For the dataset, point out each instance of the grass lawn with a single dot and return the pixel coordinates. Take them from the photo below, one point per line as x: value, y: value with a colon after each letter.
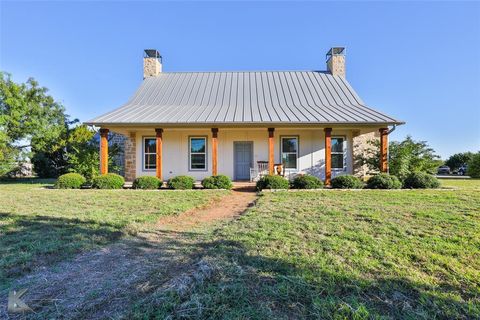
x: 409, y: 254
x: 40, y: 226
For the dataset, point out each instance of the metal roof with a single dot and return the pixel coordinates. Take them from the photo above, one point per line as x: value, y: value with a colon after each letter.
x: 264, y: 97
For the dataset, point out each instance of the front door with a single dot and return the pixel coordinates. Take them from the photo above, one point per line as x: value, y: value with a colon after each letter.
x: 243, y: 159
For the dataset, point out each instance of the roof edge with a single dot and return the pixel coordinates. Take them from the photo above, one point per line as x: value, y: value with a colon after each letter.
x: 240, y: 124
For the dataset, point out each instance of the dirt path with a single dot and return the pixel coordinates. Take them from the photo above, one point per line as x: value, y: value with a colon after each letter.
x: 103, y: 284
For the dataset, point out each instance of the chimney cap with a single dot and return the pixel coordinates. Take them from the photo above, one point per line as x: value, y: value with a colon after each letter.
x: 152, y: 53
x: 335, y: 51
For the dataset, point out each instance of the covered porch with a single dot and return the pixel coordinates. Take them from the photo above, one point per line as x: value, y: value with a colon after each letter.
x: 200, y: 152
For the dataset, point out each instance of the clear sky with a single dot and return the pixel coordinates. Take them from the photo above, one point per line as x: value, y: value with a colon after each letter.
x: 416, y: 61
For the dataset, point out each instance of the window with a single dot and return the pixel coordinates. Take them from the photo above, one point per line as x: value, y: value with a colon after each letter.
x: 149, y: 153
x: 338, y: 153
x: 198, y: 153
x: 289, y: 152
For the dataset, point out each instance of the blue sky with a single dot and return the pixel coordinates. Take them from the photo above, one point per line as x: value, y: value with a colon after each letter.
x: 416, y: 61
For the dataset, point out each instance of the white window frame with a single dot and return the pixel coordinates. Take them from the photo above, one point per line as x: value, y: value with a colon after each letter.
x: 144, y: 154
x: 190, y: 153
x: 296, y: 153
x: 343, y: 152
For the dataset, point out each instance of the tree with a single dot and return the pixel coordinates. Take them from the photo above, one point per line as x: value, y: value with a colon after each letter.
x: 27, y: 113
x: 458, y: 159
x: 473, y: 169
x: 404, y: 157
x: 83, y: 153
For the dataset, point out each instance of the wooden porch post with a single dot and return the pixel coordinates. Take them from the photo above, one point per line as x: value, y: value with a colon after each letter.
x: 103, y: 151
x: 328, y: 155
x: 383, y: 149
x: 271, y: 164
x: 159, y: 148
x: 214, y: 151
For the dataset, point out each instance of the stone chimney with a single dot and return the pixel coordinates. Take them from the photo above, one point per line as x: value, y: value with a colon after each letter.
x: 336, y: 61
x: 152, y: 63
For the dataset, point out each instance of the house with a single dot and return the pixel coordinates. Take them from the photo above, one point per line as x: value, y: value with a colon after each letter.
x: 244, y: 123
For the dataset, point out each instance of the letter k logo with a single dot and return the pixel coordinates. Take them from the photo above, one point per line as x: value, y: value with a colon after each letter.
x: 15, y: 305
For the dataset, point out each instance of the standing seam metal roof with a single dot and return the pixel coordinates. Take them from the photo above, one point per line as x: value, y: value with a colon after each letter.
x: 244, y: 97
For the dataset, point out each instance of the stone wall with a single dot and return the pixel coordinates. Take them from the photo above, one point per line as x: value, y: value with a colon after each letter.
x: 130, y: 157
x: 336, y: 65
x: 360, y: 145
x: 151, y: 67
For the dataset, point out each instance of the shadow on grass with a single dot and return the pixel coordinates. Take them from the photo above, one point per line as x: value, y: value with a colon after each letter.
x: 27, y: 241
x: 27, y: 180
x: 241, y: 284
x: 246, y: 286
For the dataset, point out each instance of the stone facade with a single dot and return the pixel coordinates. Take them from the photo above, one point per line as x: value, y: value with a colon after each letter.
x: 130, y: 157
x: 360, y: 146
x: 336, y: 65
x: 151, y: 67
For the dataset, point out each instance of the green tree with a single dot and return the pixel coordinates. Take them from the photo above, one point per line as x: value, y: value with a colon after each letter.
x: 404, y: 157
x: 27, y: 113
x: 83, y: 153
x: 473, y: 169
x: 458, y: 159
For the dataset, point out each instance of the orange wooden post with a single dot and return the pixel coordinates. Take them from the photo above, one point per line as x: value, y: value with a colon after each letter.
x: 328, y: 155
x: 103, y: 151
x: 159, y: 145
x: 383, y: 149
x: 214, y: 151
x: 270, y: 150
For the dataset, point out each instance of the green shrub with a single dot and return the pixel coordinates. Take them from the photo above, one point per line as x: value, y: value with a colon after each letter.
x: 70, y: 181
x: 217, y: 182
x: 108, y: 181
x: 306, y: 182
x: 147, y: 182
x: 421, y: 180
x: 181, y: 182
x: 272, y: 182
x: 347, y: 182
x: 384, y: 181
x: 473, y: 166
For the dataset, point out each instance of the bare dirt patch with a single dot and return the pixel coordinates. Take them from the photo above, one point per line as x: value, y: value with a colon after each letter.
x: 103, y: 284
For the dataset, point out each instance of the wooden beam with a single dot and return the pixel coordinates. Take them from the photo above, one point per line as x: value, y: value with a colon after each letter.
x: 271, y: 164
x: 328, y: 155
x: 103, y: 151
x: 159, y: 150
x: 383, y: 150
x: 214, y: 151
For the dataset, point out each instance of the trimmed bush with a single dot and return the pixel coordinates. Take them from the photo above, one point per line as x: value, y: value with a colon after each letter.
x: 306, y: 182
x: 217, y: 182
x: 383, y: 181
x: 147, y: 182
x: 347, y: 182
x: 108, y: 181
x: 181, y: 182
x: 272, y: 182
x: 421, y: 180
x: 70, y: 181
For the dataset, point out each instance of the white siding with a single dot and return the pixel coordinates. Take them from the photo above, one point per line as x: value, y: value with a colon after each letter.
x: 175, y: 150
